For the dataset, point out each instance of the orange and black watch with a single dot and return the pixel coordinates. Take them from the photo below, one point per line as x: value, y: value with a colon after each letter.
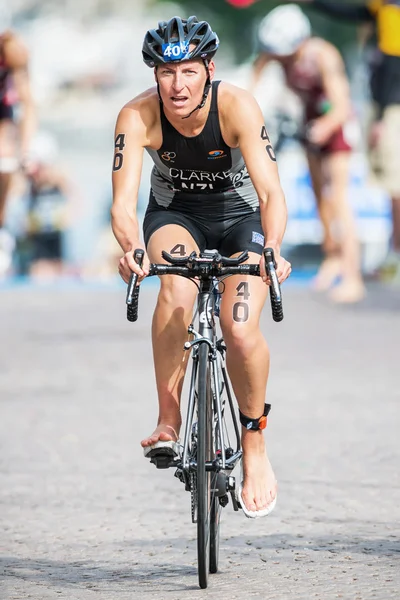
x: 255, y: 424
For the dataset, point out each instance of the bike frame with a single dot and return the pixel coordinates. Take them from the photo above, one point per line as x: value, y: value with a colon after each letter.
x: 207, y: 334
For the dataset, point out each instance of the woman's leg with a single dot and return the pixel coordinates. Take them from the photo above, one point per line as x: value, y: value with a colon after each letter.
x: 351, y: 288
x: 8, y: 166
x: 247, y: 359
x: 330, y: 267
x: 172, y: 316
x: 8, y: 162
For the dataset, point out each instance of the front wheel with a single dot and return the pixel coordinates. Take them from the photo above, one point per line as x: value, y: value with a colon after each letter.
x: 204, y: 453
x: 215, y: 519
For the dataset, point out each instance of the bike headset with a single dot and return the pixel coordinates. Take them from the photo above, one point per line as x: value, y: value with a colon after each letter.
x: 283, y: 30
x: 171, y: 41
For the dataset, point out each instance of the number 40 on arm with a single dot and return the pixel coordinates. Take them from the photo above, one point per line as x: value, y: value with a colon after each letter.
x: 118, y: 156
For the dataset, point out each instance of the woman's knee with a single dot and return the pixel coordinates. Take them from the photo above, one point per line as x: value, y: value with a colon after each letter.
x: 176, y: 292
x: 241, y: 336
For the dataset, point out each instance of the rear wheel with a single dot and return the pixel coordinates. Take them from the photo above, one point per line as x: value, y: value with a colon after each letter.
x: 204, y: 453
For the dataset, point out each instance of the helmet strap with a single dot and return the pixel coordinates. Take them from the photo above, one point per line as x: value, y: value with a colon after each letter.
x: 158, y: 92
x: 158, y: 86
x: 206, y: 91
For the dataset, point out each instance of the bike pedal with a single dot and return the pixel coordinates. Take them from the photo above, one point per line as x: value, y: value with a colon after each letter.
x: 162, y: 462
x: 162, y: 457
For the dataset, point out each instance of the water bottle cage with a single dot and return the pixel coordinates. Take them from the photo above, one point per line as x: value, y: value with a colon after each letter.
x: 255, y: 424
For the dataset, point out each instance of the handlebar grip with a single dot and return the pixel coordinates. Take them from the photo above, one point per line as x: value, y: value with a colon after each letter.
x: 132, y: 294
x: 275, y: 289
x: 226, y: 262
x: 182, y: 260
x: 177, y: 260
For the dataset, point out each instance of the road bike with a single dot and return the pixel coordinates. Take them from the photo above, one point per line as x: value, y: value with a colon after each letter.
x: 209, y: 453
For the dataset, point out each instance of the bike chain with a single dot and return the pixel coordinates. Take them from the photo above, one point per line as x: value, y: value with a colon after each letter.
x: 193, y: 496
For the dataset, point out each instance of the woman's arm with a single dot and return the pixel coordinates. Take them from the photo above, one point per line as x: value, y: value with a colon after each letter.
x: 337, y: 91
x: 246, y: 122
x: 126, y: 174
x: 257, y: 68
x: 129, y: 143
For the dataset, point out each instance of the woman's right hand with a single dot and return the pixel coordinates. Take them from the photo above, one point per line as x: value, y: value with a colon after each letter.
x: 128, y: 265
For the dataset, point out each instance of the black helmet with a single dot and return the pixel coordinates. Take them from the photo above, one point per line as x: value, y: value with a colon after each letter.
x: 170, y: 42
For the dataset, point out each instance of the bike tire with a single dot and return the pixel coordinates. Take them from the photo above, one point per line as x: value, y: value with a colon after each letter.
x: 216, y: 507
x: 204, y: 453
x: 215, y: 522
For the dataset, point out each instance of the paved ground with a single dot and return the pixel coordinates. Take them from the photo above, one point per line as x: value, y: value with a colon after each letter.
x: 84, y: 516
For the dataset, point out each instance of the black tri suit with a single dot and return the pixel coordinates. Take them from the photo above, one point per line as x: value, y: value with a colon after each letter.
x: 203, y: 185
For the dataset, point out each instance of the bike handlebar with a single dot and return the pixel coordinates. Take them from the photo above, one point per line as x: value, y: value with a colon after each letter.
x: 206, y: 267
x: 132, y: 294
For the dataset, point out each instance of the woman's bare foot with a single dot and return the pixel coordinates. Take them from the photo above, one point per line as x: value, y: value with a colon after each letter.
x: 348, y: 292
x: 259, y: 483
x: 328, y: 271
x: 162, y: 433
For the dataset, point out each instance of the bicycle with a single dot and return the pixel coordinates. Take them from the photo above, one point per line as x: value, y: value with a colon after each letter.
x: 207, y: 456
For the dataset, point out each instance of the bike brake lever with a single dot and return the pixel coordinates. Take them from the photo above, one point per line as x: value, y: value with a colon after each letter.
x: 269, y: 256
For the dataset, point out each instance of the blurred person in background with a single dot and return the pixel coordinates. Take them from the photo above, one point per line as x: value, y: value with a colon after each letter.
x: 15, y: 137
x: 314, y: 71
x: 384, y: 136
x: 51, y: 208
x: 214, y: 185
x: 107, y: 252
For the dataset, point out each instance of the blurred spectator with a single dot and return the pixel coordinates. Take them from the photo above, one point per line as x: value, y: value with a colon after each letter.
x: 384, y: 138
x: 107, y: 253
x: 314, y: 70
x: 14, y: 142
x: 51, y: 208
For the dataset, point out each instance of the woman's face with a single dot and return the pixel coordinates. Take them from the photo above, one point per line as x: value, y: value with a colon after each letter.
x: 182, y: 84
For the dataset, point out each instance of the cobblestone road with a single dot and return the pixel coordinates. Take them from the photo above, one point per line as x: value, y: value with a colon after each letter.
x: 84, y: 516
